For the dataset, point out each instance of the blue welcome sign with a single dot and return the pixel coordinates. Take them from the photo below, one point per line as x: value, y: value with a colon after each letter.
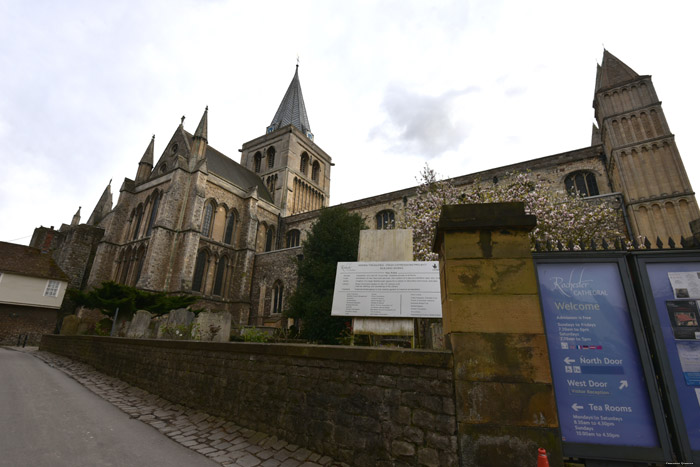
x: 601, y: 392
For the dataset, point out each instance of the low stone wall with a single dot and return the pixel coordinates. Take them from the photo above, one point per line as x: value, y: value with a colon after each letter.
x: 363, y: 406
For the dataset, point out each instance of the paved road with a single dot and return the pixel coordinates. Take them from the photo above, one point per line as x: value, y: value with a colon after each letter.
x: 48, y: 419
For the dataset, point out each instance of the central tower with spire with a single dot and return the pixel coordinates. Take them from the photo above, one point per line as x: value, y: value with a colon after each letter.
x: 295, y: 170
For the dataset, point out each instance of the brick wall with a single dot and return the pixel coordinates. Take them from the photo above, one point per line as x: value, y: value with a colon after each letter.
x: 363, y: 406
x: 15, y: 320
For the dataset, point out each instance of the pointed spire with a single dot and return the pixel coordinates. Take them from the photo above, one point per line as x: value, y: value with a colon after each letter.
x: 76, y: 217
x: 202, y: 127
x: 103, y: 207
x: 148, y: 155
x: 146, y: 164
x: 292, y: 109
x: 613, y: 71
x: 596, y: 137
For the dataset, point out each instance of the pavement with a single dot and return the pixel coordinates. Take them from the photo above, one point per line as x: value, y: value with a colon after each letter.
x: 222, y: 441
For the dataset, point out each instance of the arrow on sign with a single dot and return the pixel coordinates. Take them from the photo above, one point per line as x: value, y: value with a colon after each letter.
x: 623, y: 384
x: 569, y: 361
x: 576, y: 407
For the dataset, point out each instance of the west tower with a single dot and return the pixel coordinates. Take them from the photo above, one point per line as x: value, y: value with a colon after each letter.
x: 296, y: 171
x: 643, y: 160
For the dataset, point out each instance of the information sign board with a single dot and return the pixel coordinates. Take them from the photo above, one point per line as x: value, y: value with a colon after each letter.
x: 400, y: 289
x: 675, y: 288
x: 601, y: 392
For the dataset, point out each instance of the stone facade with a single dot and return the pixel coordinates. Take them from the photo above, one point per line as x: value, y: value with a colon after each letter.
x: 195, y: 221
x: 275, y: 272
x: 73, y: 248
x: 361, y: 406
x: 33, y: 321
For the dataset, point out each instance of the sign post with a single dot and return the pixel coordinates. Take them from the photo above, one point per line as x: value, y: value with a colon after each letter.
x: 600, y: 367
x: 671, y: 292
x: 399, y: 289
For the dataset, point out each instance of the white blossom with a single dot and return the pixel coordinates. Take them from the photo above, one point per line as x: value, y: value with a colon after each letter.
x: 560, y: 216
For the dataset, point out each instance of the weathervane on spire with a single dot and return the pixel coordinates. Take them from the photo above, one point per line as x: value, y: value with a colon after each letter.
x: 297, y: 60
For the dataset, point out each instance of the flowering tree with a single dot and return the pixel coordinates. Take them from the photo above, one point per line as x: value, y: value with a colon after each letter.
x: 560, y: 216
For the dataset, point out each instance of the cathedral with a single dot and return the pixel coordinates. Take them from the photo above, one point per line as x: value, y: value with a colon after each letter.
x: 195, y: 221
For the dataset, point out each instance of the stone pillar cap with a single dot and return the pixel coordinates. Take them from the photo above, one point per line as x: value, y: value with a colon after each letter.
x: 482, y: 216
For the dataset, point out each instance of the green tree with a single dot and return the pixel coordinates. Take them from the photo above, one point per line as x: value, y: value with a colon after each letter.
x: 110, y: 295
x: 334, y: 237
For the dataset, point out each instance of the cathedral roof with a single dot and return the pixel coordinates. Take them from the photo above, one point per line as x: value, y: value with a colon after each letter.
x: 292, y: 109
x: 232, y: 171
x: 235, y: 173
x: 613, y: 72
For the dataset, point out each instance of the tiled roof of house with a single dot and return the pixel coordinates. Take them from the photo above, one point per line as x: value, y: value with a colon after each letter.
x: 28, y: 261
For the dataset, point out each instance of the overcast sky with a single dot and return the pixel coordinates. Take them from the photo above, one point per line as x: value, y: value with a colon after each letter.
x: 462, y: 85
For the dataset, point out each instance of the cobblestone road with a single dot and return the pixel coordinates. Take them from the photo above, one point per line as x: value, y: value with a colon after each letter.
x: 221, y: 440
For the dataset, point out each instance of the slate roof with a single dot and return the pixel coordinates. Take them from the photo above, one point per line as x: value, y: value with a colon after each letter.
x: 613, y: 72
x: 232, y: 171
x: 28, y: 261
x: 292, y: 109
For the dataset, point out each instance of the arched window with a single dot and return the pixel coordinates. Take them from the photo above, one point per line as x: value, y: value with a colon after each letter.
x: 219, y: 280
x: 385, y: 220
x: 582, y: 183
x: 303, y: 167
x: 140, y: 257
x: 293, y: 238
x: 257, y: 162
x: 269, y: 239
x: 154, y: 213
x: 139, y: 217
x: 271, y: 183
x: 230, y: 228
x: 207, y: 218
x: 277, y: 292
x: 270, y: 157
x: 315, y: 171
x: 126, y: 259
x: 200, y: 267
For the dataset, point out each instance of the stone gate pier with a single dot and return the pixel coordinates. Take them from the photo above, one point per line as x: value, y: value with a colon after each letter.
x: 504, y: 397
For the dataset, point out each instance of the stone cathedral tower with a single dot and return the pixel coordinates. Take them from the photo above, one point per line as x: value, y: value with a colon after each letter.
x: 295, y: 170
x: 643, y: 160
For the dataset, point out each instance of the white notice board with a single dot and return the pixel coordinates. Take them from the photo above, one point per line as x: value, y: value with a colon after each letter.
x: 399, y: 289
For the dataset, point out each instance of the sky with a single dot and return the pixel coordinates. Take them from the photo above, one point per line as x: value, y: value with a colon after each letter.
x: 389, y: 86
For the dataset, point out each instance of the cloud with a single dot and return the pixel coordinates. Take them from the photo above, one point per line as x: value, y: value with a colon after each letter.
x: 515, y: 91
x: 421, y: 124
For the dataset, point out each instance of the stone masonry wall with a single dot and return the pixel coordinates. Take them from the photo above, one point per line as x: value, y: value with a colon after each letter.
x: 16, y: 320
x: 270, y: 267
x: 551, y: 170
x: 363, y: 406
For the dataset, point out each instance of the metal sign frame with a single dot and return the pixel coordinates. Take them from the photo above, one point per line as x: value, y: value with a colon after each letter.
x: 639, y: 262
x: 662, y: 453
